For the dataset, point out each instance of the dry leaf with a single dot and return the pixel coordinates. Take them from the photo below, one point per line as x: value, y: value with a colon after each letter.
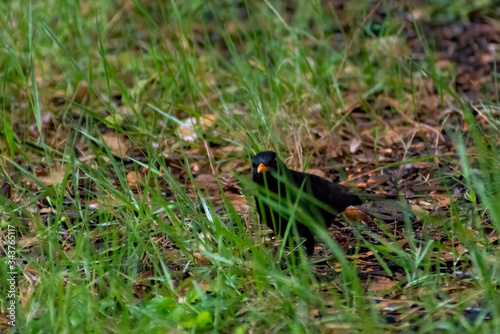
x: 418, y: 210
x: 391, y: 137
x: 226, y: 150
x: 54, y: 177
x: 132, y: 178
x: 206, y: 181
x: 202, y: 259
x: 354, y: 214
x: 382, y: 284
x: 82, y: 92
x: 354, y: 145
x: 118, y: 144
x: 453, y: 253
x: 187, y: 129
x: 27, y: 242
x: 239, y: 202
x: 443, y: 200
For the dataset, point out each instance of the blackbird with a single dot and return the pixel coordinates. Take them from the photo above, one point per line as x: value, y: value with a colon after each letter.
x: 314, y: 195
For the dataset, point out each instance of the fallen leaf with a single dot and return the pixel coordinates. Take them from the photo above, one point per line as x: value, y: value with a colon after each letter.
x: 443, y: 200
x: 202, y: 259
x: 394, y: 305
x: 55, y: 176
x: 118, y: 144
x: 418, y: 210
x: 382, y: 284
x: 239, y: 202
x: 354, y: 145
x: 391, y: 137
x: 354, y: 214
x: 132, y: 178
x: 206, y: 181
x: 187, y: 129
x: 82, y: 92
x: 226, y: 150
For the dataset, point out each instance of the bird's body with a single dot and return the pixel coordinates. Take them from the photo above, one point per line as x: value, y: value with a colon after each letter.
x: 316, y: 197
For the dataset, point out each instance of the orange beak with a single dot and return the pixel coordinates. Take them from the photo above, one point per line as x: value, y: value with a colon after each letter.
x: 261, y: 168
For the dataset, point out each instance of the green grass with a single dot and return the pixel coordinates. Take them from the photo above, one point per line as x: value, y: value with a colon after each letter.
x: 177, y: 253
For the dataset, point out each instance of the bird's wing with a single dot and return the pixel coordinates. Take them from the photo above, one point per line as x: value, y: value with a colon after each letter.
x: 335, y: 195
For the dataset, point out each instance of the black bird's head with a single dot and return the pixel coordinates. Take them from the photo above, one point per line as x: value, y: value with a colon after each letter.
x: 264, y: 163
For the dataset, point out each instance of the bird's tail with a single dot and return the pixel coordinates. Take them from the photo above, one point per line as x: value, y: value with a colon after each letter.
x: 388, y: 210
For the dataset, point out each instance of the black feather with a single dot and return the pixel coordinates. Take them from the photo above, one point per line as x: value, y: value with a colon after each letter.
x: 323, y: 199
